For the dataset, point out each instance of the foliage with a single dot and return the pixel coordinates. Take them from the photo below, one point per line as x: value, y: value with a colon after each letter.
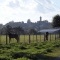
x: 56, y: 21
x: 4, y: 58
x: 8, y: 29
x: 23, y: 58
x: 34, y: 51
x: 32, y: 31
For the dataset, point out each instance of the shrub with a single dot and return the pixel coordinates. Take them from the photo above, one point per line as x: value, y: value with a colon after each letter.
x: 22, y: 47
x: 49, y: 50
x: 4, y: 58
x: 57, y: 45
x: 2, y: 46
x: 8, y: 47
x: 5, y: 46
x: 23, y: 58
x: 18, y: 54
x: 34, y: 44
x: 37, y: 47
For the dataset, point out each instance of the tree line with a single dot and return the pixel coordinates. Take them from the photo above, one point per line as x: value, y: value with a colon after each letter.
x: 20, y: 30
x: 56, y: 21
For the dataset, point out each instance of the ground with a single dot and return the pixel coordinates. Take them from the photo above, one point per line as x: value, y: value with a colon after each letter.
x: 40, y: 50
x: 35, y: 51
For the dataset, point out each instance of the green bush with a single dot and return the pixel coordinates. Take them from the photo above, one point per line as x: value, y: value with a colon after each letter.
x: 23, y: 58
x: 37, y: 47
x: 2, y: 46
x: 22, y: 47
x: 57, y: 45
x: 4, y: 58
x: 34, y: 44
x: 18, y: 54
x: 49, y: 50
x: 5, y: 46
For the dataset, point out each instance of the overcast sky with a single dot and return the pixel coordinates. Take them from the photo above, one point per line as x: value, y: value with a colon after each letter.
x: 21, y: 10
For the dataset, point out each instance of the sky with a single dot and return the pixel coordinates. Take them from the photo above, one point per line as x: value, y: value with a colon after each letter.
x: 22, y: 10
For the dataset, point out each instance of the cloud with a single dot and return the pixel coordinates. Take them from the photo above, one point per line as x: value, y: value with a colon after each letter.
x: 45, y: 6
x: 1, y: 1
x: 14, y: 4
x: 21, y: 10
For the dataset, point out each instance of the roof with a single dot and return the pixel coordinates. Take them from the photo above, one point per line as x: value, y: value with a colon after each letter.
x: 50, y: 30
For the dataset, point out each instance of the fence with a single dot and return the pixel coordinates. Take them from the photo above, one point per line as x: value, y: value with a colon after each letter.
x: 29, y: 38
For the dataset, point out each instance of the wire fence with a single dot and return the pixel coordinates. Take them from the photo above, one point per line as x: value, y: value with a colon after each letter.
x: 29, y: 38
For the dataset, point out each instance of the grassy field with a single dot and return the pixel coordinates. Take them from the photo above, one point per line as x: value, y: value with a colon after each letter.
x: 25, y: 38
x: 36, y: 50
x: 33, y: 51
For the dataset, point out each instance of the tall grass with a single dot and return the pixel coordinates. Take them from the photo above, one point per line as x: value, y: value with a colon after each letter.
x: 25, y: 38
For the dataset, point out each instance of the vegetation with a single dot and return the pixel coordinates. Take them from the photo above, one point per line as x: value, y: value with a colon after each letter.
x: 32, y: 51
x: 56, y: 21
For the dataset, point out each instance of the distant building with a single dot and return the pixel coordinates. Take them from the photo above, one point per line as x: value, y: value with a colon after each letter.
x: 39, y: 25
x: 28, y: 21
x: 40, y: 18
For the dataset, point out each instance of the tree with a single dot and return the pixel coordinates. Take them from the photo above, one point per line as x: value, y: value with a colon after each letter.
x: 8, y: 29
x: 19, y: 30
x: 32, y: 31
x: 56, y: 21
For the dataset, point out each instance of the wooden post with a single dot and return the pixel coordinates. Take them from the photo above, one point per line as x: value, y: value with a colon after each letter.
x: 24, y: 38
x: 6, y: 38
x: 50, y: 37
x: 36, y: 37
x: 33, y: 37
x: 40, y: 37
x: 0, y: 39
x: 29, y: 39
x: 19, y: 38
x: 59, y: 35
x: 55, y: 36
x: 44, y: 37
